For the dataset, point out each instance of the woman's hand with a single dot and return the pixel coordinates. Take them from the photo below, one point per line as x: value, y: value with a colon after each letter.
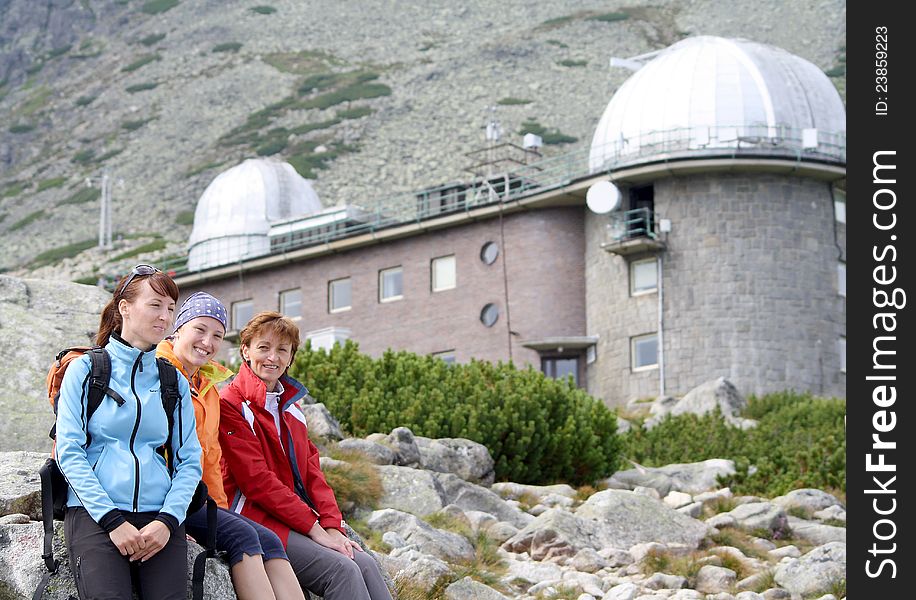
x: 127, y: 539
x: 333, y: 539
x: 156, y: 535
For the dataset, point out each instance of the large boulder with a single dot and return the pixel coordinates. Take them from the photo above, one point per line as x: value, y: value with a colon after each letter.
x: 468, y: 589
x: 321, y: 422
x: 816, y: 533
x: 761, y: 515
x: 446, y: 545
x: 20, y: 487
x: 410, y: 490
x: 469, y: 496
x: 691, y: 478
x: 404, y: 445
x: 807, y: 499
x: 632, y: 518
x: 466, y: 459
x: 38, y: 318
x: 558, y: 532
x: 379, y: 454
x: 718, y: 393
x: 815, y: 572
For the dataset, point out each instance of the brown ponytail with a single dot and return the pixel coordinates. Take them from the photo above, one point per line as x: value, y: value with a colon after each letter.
x: 111, y: 322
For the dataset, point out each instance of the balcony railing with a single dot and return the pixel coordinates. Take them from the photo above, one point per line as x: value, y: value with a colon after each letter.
x: 633, y: 231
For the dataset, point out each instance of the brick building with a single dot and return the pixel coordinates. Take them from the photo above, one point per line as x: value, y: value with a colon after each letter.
x: 721, y: 254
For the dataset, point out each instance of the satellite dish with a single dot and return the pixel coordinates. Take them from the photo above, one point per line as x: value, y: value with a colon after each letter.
x: 602, y: 197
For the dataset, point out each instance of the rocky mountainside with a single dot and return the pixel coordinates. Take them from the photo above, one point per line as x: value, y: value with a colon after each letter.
x: 368, y: 98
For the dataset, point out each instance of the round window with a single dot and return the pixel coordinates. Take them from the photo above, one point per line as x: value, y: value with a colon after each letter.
x: 489, y: 315
x: 489, y: 252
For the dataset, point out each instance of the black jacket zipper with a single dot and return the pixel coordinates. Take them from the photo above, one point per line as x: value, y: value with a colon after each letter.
x: 133, y: 435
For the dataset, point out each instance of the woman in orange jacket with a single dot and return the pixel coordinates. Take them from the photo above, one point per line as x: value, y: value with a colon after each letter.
x: 258, y: 563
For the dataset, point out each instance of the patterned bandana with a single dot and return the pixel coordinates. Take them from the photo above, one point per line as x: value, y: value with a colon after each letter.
x: 202, y: 304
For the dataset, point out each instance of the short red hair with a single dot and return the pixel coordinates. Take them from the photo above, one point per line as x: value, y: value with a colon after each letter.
x: 270, y: 321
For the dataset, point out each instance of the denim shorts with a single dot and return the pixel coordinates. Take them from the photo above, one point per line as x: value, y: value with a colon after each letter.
x: 236, y: 535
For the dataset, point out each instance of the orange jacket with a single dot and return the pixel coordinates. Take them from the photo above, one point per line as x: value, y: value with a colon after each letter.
x: 206, y: 413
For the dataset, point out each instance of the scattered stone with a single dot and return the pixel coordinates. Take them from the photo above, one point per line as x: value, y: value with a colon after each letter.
x: 321, y: 422
x: 376, y: 453
x: 712, y: 580
x: 835, y: 513
x: 501, y: 531
x: 624, y: 591
x: 20, y: 487
x: 761, y: 515
x: 466, y: 459
x: 807, y: 498
x: 410, y: 490
x: 722, y: 520
x: 469, y: 589
x: 694, y: 510
x: 442, y: 544
x: 15, y: 519
x: 776, y: 594
x: 659, y: 581
x: 677, y: 499
x: 817, y: 533
x: 779, y: 553
x: 691, y: 478
x: 402, y: 443
x: 815, y: 572
x: 747, y: 595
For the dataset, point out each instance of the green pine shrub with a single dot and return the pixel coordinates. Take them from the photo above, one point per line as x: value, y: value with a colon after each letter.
x: 538, y: 430
x: 800, y: 442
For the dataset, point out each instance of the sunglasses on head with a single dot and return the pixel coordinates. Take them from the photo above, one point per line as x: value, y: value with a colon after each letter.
x: 141, y: 270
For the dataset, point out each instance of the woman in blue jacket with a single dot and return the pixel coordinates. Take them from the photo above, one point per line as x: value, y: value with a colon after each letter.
x: 124, y: 508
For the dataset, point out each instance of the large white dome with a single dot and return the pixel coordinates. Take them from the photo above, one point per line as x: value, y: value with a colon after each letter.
x: 713, y: 96
x: 233, y: 214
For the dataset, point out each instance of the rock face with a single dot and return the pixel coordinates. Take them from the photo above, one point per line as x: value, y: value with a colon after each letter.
x: 321, y: 422
x: 689, y: 477
x: 466, y: 459
x: 20, y: 484
x: 37, y: 319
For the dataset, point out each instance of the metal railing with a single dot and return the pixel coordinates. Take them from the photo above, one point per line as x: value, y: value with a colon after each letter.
x: 636, y: 223
x: 559, y: 171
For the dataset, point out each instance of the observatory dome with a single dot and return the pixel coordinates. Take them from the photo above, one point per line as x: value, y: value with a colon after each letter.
x: 709, y: 96
x: 233, y: 215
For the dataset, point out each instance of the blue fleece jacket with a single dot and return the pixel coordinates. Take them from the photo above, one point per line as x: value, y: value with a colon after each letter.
x: 119, y: 470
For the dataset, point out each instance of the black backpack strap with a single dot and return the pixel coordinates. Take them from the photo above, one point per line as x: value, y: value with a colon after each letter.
x: 168, y: 389
x: 47, y: 518
x: 200, y: 562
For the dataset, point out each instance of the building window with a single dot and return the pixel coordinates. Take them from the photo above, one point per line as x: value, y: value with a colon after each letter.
x: 842, y: 348
x: 489, y: 315
x: 339, y: 295
x: 446, y: 356
x: 841, y: 279
x: 390, y: 284
x: 643, y: 276
x: 561, y: 367
x: 839, y: 205
x: 644, y: 352
x: 242, y: 311
x: 291, y: 303
x: 443, y: 273
x: 489, y: 253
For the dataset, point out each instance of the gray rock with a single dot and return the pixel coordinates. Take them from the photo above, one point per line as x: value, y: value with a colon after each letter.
x: 501, y: 531
x: 776, y: 594
x: 470, y: 496
x: 694, y: 510
x: 686, y: 595
x: 712, y: 579
x: 707, y: 396
x: 377, y: 453
x: 691, y: 478
x: 446, y: 545
x: 835, y: 513
x: 815, y: 572
x: 15, y: 519
x: 779, y: 553
x: 722, y: 520
x: 664, y: 581
x: 532, y: 572
x: 817, y: 533
x: 466, y: 459
x: 479, y: 520
x: 624, y: 591
x: 677, y: 499
x: 587, y: 560
x: 752, y: 581
x: 615, y: 557
x: 468, y: 589
x: 708, y: 497
x: 761, y: 515
x: 514, y: 491
x: 410, y: 490
x: 394, y: 540
x: 321, y: 422
x: 55, y: 315
x: 557, y: 532
x: 747, y: 595
x: 809, y: 499
x: 20, y: 486
x: 402, y: 443
x: 629, y: 519
x: 425, y: 572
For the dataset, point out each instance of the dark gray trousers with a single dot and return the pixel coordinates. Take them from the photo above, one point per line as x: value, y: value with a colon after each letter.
x: 101, y: 572
x: 333, y: 575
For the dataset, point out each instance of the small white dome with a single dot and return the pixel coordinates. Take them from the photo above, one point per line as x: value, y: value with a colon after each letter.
x: 233, y: 214
x: 705, y: 94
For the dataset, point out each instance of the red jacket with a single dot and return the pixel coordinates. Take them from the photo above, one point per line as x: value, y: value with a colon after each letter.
x: 260, y: 477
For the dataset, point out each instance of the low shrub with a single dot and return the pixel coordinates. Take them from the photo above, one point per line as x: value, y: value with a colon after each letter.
x: 151, y: 39
x: 86, y: 194
x: 154, y: 246
x: 156, y: 7
x: 572, y: 63
x: 510, y: 101
x: 21, y: 128
x: 538, y: 430
x: 54, y: 182
x: 27, y: 220
x: 58, y: 254
x: 610, y: 17
x: 85, y: 100
x: 263, y: 9
x: 548, y: 137
x: 227, y: 47
x: 143, y: 60
x: 141, y: 87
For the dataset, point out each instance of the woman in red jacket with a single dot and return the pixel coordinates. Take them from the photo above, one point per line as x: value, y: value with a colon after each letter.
x: 271, y: 472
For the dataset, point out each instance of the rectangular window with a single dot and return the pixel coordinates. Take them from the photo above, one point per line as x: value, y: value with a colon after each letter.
x: 447, y: 356
x: 643, y: 276
x: 443, y: 273
x: 644, y: 351
x: 242, y: 311
x: 390, y: 284
x: 561, y: 367
x: 841, y: 279
x: 339, y: 295
x: 842, y: 348
x: 839, y: 205
x: 291, y: 303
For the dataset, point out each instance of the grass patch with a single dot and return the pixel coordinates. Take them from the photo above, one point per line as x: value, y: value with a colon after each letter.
x: 838, y: 588
x: 837, y: 71
x: 55, y: 255
x: 357, y: 484
x: 27, y: 220
x: 487, y: 566
x: 610, y: 17
x: 141, y: 87
x: 572, y: 63
x: 303, y: 129
x: 185, y: 217
x: 109, y: 154
x: 354, y: 113
x: 355, y: 91
x: 556, y: 22
x: 13, y: 189
x: 151, y: 39
x: 157, y: 7
x: 305, y: 62
x: 87, y: 280
x: 263, y: 9
x: 549, y: 137
x: 447, y: 522
x: 557, y: 43
x: 35, y: 102
x: 408, y: 589
x: 85, y: 100
x: 766, y: 582
x: 272, y: 146
x: 154, y: 246
x: 84, y: 157
x: 22, y: 128
x: 306, y: 163
x: 37, y: 67
x: 204, y: 167
x: 686, y: 565
x: 560, y: 592
x: 729, y: 536
x: 835, y: 522
x: 510, y: 101
x: 372, y: 537
x: 55, y: 52
x: 143, y: 60
x: 54, y: 182
x: 801, y: 512
x: 720, y: 505
x: 87, y: 194
x: 134, y: 125
x: 227, y: 47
